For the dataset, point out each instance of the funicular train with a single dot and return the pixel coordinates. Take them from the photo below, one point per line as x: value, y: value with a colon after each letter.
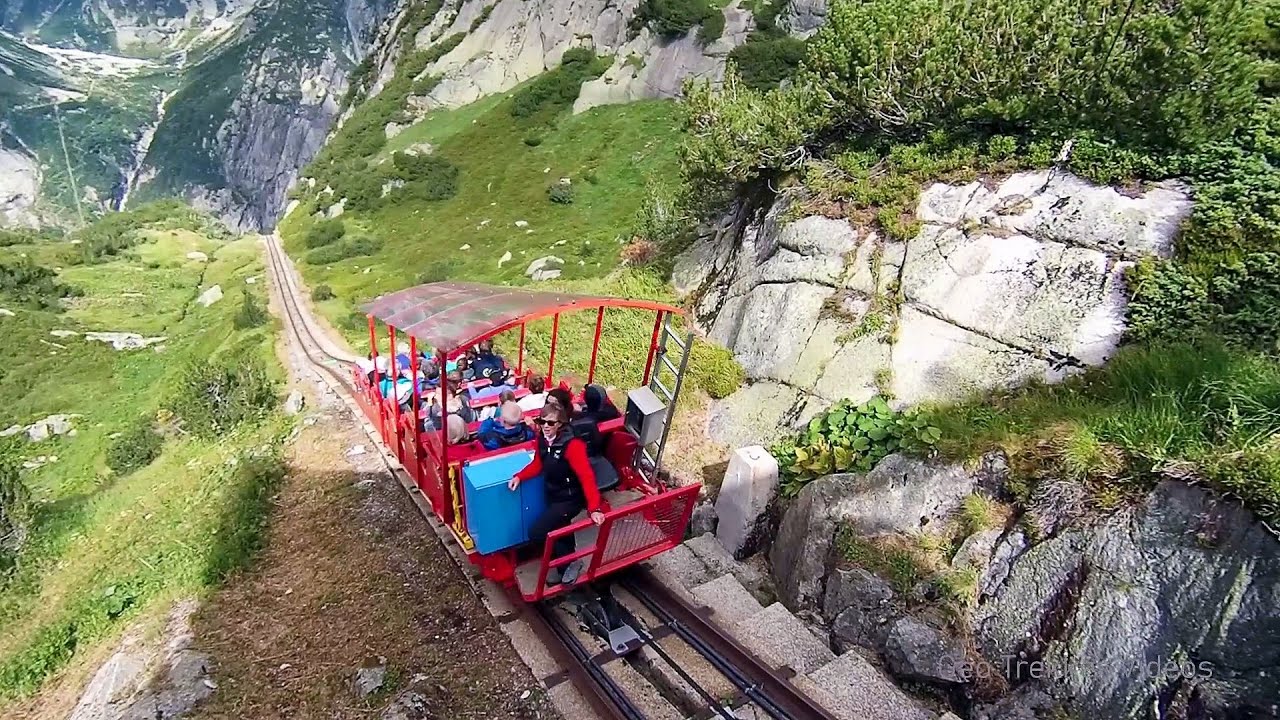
x: 466, y: 484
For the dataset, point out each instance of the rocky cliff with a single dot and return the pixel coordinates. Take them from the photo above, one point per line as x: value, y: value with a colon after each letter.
x: 507, y: 42
x: 1007, y: 282
x: 1163, y: 610
x: 243, y: 96
x: 252, y: 112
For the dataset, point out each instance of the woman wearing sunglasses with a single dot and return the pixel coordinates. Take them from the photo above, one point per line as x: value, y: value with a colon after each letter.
x: 570, y: 485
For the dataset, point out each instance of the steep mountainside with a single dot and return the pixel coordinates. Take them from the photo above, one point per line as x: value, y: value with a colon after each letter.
x: 238, y: 98
x: 253, y: 109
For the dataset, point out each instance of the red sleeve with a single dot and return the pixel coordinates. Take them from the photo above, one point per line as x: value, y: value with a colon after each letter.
x: 576, y: 454
x: 533, y: 468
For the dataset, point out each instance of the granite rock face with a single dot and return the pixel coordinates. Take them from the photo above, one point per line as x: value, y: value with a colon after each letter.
x: 1006, y: 283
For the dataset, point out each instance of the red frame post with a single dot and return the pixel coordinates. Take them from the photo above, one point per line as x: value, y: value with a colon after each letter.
x: 653, y: 348
x: 417, y: 408
x: 555, y: 337
x: 395, y: 394
x: 595, y: 345
x: 520, y: 355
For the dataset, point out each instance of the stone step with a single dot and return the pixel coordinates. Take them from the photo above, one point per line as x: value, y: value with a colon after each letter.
x: 679, y: 567
x: 851, y: 688
x: 728, y: 598
x: 776, y: 634
x: 718, y: 561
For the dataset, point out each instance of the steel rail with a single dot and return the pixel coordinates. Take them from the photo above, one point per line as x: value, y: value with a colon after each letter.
x: 605, y: 696
x: 767, y: 688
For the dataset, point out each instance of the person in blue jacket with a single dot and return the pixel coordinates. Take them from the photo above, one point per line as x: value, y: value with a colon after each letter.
x: 489, y: 364
x: 505, y: 429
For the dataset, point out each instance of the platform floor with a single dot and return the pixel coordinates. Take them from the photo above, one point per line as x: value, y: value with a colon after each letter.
x: 527, y: 571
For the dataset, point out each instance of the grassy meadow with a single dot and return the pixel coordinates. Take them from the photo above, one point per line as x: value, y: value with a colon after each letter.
x: 183, y: 506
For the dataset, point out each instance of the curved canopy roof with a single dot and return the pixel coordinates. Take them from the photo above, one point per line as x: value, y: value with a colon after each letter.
x: 452, y: 315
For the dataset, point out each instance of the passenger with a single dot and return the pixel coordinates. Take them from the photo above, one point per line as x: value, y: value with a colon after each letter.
x: 459, y: 403
x: 598, y: 405
x: 370, y: 363
x: 401, y: 390
x: 457, y: 429
x: 505, y: 429
x: 570, y: 486
x: 464, y: 369
x: 537, y: 396
x: 561, y: 397
x: 507, y: 395
x: 489, y: 364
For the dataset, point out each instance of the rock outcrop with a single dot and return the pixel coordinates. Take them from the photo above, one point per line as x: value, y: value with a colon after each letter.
x: 1005, y: 283
x: 281, y: 70
x: 510, y: 41
x: 1172, y: 604
x: 1169, y: 605
x: 19, y: 188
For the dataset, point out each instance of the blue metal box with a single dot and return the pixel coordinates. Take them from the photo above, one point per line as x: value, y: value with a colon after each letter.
x: 496, y: 517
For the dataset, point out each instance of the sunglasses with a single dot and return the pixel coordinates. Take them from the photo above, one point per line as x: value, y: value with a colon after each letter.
x: 544, y: 421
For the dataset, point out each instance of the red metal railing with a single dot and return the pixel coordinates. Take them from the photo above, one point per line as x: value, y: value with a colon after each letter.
x: 627, y: 536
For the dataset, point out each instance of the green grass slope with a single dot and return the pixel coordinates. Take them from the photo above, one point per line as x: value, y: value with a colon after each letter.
x: 151, y: 499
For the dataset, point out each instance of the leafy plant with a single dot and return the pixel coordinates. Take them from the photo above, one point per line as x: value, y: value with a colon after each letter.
x: 251, y: 314
x: 33, y: 285
x: 560, y: 194
x: 675, y: 18
x: 211, y: 398
x: 324, y: 232
x: 322, y: 293
x: 1240, y: 300
x: 134, y: 448
x: 558, y: 88
x: 15, y: 514
x: 351, y: 247
x: 851, y: 438
x: 763, y: 60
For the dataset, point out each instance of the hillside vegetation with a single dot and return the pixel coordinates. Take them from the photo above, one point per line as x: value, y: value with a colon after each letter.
x: 161, y: 488
x: 451, y: 195
x: 1157, y: 91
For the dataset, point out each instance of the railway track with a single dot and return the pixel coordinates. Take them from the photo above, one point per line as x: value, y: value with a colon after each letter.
x: 633, y: 648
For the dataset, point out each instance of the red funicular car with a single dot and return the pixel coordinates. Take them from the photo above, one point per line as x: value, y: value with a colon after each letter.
x: 466, y: 484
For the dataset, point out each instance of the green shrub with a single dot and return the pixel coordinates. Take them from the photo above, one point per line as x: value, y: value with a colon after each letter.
x: 560, y: 194
x: 357, y: 246
x: 848, y: 438
x: 1240, y: 300
x: 479, y: 19
x: 1051, y: 74
x: 135, y: 447
x: 714, y: 369
x: 533, y: 140
x: 1168, y: 77
x: 324, y: 232
x: 242, y: 528
x: 251, y: 314
x: 426, y: 177
x: 425, y: 84
x: 33, y: 285
x: 737, y: 134
x: 674, y: 18
x: 558, y: 88
x: 364, y: 133
x: 322, y: 293
x: 764, y: 60
x: 712, y: 27
x: 212, y: 398
x: 437, y: 271
x: 15, y: 514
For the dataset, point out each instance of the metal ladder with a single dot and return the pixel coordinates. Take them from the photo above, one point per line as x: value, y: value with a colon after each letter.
x: 652, y: 461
